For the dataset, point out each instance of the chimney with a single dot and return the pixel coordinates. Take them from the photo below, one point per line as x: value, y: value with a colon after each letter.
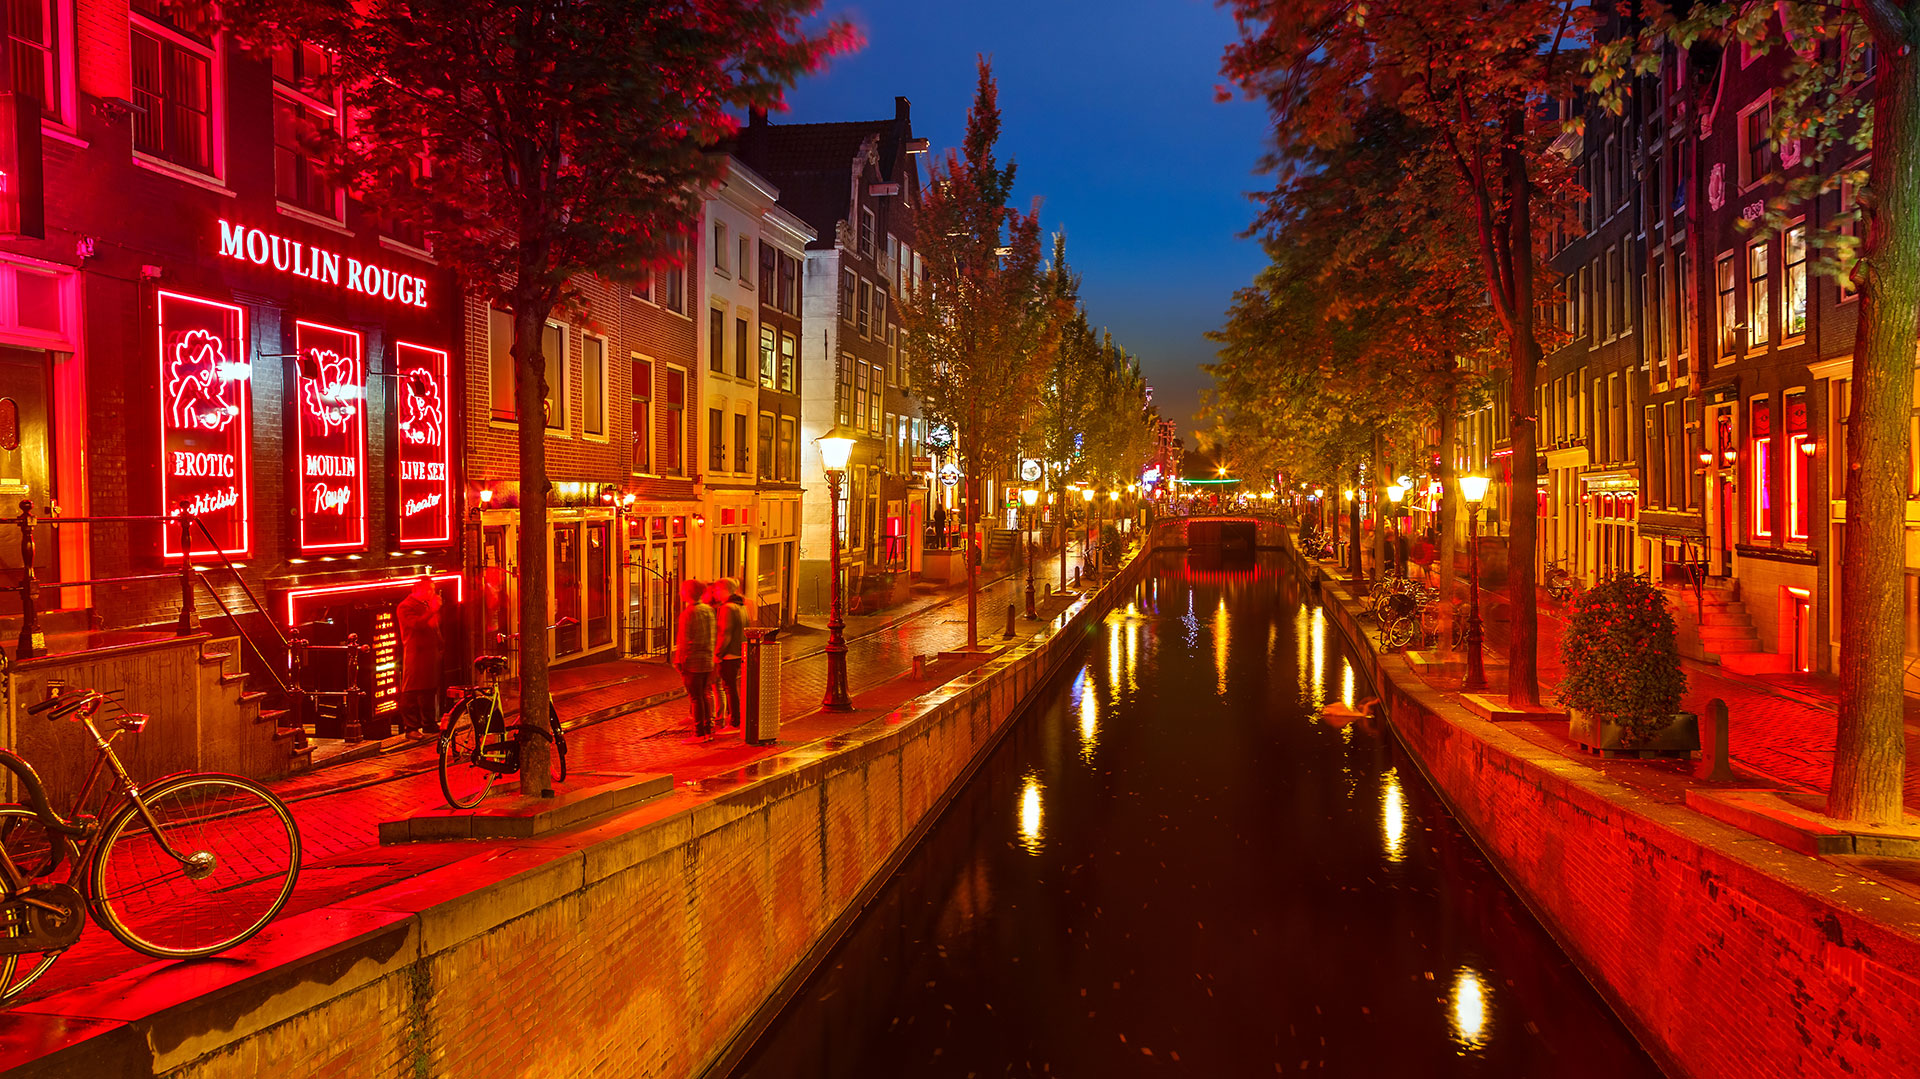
x: 756, y: 116
x: 903, y: 111
x: 752, y: 143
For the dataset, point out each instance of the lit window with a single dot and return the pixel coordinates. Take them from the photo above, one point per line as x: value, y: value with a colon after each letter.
x: 1794, y: 284
x: 305, y: 111
x: 1728, y: 311
x: 676, y: 420
x: 789, y: 362
x: 1760, y: 482
x: 1759, y: 299
x: 1799, y: 470
x: 769, y: 357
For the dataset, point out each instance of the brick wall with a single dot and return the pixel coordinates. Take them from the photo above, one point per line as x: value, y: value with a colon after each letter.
x: 1727, y: 955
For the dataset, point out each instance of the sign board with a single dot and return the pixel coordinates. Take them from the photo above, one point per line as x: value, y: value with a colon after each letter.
x: 271, y: 251
x: 921, y: 464
x: 939, y: 438
x: 206, y: 420
x: 1030, y: 470
x: 950, y: 475
x: 22, y: 202
x: 423, y: 450
x: 330, y: 449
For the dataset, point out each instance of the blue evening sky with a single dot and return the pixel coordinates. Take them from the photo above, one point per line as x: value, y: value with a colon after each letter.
x: 1108, y: 107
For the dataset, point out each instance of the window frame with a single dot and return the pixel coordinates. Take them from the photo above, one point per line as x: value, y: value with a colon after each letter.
x: 605, y: 383
x: 1759, y: 292
x: 716, y: 339
x: 304, y: 100
x: 1753, y: 169
x: 640, y: 400
x: 169, y: 37
x: 675, y: 419
x: 58, y: 83
x: 1788, y: 275
x: 720, y: 252
x: 563, y: 388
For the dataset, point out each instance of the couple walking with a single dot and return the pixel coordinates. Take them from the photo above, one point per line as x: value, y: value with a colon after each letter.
x: 711, y: 634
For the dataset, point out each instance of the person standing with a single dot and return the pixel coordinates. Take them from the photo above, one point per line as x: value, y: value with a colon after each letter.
x: 693, y: 654
x: 730, y: 631
x: 939, y: 526
x: 418, y: 619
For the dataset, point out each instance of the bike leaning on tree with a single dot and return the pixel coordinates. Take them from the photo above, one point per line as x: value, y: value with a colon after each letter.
x: 188, y: 865
x: 477, y: 745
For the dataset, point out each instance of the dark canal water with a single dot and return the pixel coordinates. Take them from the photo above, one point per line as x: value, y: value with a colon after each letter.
x: 1176, y: 864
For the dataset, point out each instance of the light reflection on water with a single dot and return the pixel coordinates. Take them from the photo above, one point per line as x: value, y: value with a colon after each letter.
x: 1470, y: 1008
x: 1220, y: 644
x: 1346, y: 683
x: 1031, y: 839
x: 1393, y: 815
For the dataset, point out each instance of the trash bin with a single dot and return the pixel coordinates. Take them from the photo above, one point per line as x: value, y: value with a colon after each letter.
x: 760, y: 688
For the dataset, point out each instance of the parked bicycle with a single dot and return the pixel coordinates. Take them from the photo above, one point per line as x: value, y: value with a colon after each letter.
x: 870, y: 592
x: 188, y: 865
x: 1560, y: 583
x: 477, y: 745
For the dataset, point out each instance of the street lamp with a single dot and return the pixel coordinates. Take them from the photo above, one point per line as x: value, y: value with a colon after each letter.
x: 1086, y: 548
x: 1030, y: 496
x: 1396, y: 493
x: 1474, y: 489
x: 835, y: 447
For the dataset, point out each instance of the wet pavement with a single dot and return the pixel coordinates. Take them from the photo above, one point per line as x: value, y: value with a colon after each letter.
x: 1182, y: 858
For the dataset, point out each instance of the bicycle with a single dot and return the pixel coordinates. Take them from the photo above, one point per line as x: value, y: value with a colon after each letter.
x: 189, y: 865
x: 476, y: 745
x: 1560, y: 583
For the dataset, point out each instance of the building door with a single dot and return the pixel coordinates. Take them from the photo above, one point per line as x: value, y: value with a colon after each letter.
x: 25, y: 423
x: 564, y: 607
x: 497, y: 594
x: 1798, y: 625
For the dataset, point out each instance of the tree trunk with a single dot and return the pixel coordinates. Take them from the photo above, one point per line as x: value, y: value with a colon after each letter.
x: 1523, y: 680
x: 1869, y: 761
x: 1446, y: 513
x: 1379, y: 514
x: 530, y: 396
x: 973, y: 555
x: 1354, y: 568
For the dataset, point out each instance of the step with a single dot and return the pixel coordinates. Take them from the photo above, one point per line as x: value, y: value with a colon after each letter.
x: 1725, y: 633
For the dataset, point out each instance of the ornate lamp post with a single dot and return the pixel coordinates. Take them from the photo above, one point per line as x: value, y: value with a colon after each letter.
x: 835, y: 447
x: 1086, y: 547
x: 1030, y: 496
x: 1395, y: 494
x: 1474, y: 490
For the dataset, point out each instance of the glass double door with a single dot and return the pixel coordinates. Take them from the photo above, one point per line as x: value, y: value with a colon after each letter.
x: 581, y: 598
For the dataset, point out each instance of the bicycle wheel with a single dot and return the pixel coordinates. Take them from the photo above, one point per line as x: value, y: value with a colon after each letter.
x: 461, y: 780
x: 559, y: 744
x: 216, y: 863
x: 34, y: 852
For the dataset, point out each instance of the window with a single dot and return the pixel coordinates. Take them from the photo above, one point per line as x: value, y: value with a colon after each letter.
x: 789, y: 362
x: 593, y: 384
x: 1799, y: 469
x: 33, y: 30
x: 862, y: 391
x: 766, y: 445
x: 1617, y: 293
x: 879, y: 309
x: 1728, y: 313
x: 789, y: 284
x: 768, y: 268
x: 501, y: 374
x: 1759, y: 302
x: 1653, y: 303
x: 873, y: 398
x: 769, y: 357
x: 172, y: 85
x: 902, y: 270
x: 861, y: 320
x: 1756, y: 150
x: 1847, y: 223
x: 716, y: 340
x: 641, y: 392
x: 893, y: 355
x: 676, y: 421
x: 1761, y: 465
x: 1609, y: 179
x: 742, y: 349
x: 788, y: 450
x: 303, y: 112
x: 716, y: 440
x: 1585, y: 304
x: 742, y: 449
x: 866, y: 232
x: 553, y: 350
x: 720, y: 248
x: 843, y: 400
x: 746, y: 261
x: 1793, y: 284
x: 1586, y: 204
x: 1683, y: 323
x: 849, y: 286
x: 670, y: 285
x: 1599, y: 315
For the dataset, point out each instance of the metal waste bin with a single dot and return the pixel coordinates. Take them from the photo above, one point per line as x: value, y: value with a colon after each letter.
x: 760, y: 688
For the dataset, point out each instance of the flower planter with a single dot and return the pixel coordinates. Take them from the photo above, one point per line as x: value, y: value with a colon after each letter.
x: 1680, y: 737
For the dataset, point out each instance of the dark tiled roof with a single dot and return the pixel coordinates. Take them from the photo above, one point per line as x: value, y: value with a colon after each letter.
x: 812, y: 164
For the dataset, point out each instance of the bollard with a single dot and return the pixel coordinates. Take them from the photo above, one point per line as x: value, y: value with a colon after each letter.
x: 919, y: 668
x: 353, y: 729
x: 1715, y: 764
x: 1076, y: 576
x: 760, y: 688
x: 1009, y: 619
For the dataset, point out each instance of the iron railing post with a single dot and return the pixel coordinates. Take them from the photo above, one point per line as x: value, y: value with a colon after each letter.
x: 353, y: 728
x: 296, y: 692
x: 32, y: 641
x: 189, y: 619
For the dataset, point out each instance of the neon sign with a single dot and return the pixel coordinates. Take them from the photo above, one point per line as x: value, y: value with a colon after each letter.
x: 424, y: 453
x: 317, y: 264
x: 330, y: 450
x: 205, y: 420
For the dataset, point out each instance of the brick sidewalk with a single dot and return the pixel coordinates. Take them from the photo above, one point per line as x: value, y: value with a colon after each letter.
x: 339, y: 808
x: 1779, y: 726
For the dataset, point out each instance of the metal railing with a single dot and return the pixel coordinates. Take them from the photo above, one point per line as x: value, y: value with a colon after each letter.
x: 32, y: 639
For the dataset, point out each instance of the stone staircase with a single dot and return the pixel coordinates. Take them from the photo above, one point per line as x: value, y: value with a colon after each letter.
x: 1718, y: 626
x: 269, y: 752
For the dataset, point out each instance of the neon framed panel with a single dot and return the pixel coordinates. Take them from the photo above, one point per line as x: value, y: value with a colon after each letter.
x: 297, y: 597
x: 330, y: 438
x: 206, y: 421
x: 423, y: 447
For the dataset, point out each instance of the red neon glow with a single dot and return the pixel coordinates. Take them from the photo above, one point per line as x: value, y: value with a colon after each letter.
x: 205, y: 420
x: 424, y: 456
x: 298, y: 595
x: 331, y: 446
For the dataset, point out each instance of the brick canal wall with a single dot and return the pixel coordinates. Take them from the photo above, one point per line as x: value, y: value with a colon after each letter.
x: 634, y: 949
x: 1728, y: 955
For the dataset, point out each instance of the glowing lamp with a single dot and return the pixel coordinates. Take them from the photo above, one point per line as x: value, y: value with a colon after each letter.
x: 1113, y: 495
x: 1473, y: 488
x: 1706, y: 458
x: 1404, y: 482
x: 1727, y: 456
x: 1807, y: 447
x: 1347, y: 494
x: 486, y: 496
x: 1396, y: 492
x: 1222, y: 470
x: 628, y: 500
x: 1030, y: 496
x: 835, y: 447
x: 1319, y: 492
x: 1086, y: 493
x: 699, y: 520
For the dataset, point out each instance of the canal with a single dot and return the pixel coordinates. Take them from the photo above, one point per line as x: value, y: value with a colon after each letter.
x: 1178, y: 861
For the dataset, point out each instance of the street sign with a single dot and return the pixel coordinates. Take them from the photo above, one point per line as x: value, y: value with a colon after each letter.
x: 939, y: 438
x: 1030, y: 470
x: 921, y: 464
x: 950, y: 475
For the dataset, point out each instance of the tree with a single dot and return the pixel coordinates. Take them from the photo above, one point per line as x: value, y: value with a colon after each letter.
x: 1471, y: 78
x: 978, y: 322
x: 537, y: 141
x: 1830, y: 103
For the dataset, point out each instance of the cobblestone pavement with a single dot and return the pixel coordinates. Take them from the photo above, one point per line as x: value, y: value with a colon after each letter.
x: 1781, y: 726
x: 340, y: 808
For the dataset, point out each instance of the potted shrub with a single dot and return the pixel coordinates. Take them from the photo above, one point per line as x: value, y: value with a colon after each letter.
x: 1623, y: 683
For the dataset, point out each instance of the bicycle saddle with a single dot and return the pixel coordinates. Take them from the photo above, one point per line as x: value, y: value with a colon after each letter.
x: 490, y: 666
